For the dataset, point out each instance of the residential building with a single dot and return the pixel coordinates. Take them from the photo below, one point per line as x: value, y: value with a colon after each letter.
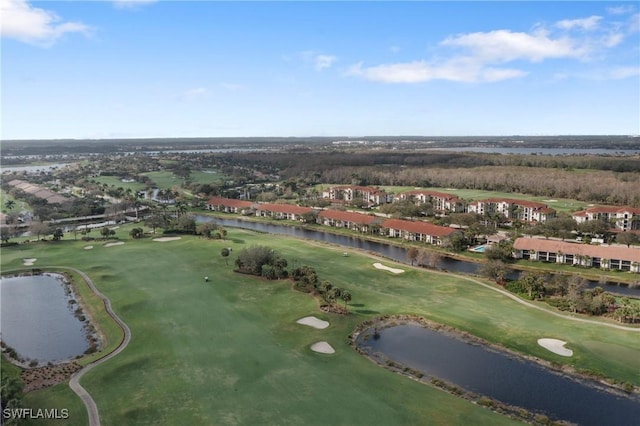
x: 527, y: 211
x: 596, y: 256
x: 281, y: 211
x: 369, y: 195
x: 623, y: 218
x: 350, y: 220
x: 230, y: 205
x: 441, y: 201
x: 416, y: 231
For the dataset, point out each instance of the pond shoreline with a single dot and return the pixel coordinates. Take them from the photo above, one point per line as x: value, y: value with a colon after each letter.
x: 37, y: 374
x: 369, y: 329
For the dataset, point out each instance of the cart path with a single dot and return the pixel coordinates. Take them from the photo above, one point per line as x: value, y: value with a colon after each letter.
x: 74, y: 383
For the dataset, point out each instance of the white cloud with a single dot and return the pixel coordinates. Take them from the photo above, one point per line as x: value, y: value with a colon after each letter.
x: 620, y: 10
x: 463, y: 69
x: 634, y: 23
x: 23, y: 22
x: 623, y: 72
x: 505, y: 45
x: 324, y: 61
x: 587, y: 24
x: 319, y: 61
x: 479, y: 56
x: 193, y: 94
x: 131, y: 4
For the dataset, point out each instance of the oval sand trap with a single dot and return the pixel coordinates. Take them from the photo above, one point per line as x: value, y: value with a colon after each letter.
x: 556, y: 346
x: 164, y: 239
x: 88, y: 247
x: 114, y: 244
x: 313, y: 322
x: 323, y: 348
x: 29, y: 261
x: 386, y: 268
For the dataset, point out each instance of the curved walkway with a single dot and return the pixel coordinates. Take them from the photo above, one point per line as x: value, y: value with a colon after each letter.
x: 74, y: 383
x: 490, y: 287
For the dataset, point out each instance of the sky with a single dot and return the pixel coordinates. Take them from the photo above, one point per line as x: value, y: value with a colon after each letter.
x: 145, y: 68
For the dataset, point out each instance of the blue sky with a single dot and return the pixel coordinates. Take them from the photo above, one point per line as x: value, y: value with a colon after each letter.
x: 111, y: 69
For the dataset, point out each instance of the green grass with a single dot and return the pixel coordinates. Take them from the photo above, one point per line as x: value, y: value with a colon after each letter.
x: 209, y: 176
x: 164, y: 180
x: 118, y: 183
x: 229, y: 351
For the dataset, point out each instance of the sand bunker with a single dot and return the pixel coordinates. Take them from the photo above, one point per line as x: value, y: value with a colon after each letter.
x: 556, y: 346
x: 114, y: 244
x: 88, y: 247
x: 323, y: 348
x: 386, y: 268
x: 550, y: 201
x: 313, y: 322
x: 163, y: 239
x: 29, y: 261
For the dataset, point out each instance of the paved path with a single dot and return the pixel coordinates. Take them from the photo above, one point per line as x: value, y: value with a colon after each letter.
x: 74, y: 383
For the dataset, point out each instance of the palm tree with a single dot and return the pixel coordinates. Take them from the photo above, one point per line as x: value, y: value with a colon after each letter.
x: 346, y: 297
x: 9, y: 204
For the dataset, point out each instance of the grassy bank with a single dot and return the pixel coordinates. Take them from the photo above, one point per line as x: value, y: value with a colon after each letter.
x: 229, y: 351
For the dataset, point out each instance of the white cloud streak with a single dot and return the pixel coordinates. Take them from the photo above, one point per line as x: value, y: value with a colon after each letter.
x: 620, y: 10
x: 586, y: 24
x: 21, y: 21
x: 319, y: 61
x: 479, y: 56
x: 193, y: 94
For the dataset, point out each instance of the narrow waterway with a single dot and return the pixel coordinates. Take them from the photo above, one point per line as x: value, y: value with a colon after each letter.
x: 389, y: 251
x: 500, y: 376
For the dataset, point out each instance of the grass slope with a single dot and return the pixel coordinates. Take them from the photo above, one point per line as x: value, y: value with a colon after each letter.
x: 229, y: 351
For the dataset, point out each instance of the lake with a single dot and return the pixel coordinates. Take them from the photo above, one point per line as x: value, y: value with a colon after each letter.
x: 501, y: 376
x: 38, y: 321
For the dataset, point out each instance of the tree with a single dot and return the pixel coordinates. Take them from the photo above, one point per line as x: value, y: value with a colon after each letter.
x: 205, y: 229
x: 106, y: 232
x: 57, y: 234
x: 533, y: 283
x: 186, y: 223
x: 225, y: 252
x: 456, y: 241
x: 495, y: 270
x: 11, y: 391
x: 39, y: 228
x: 5, y: 234
x: 136, y: 233
x: 9, y: 204
x: 156, y: 220
x: 412, y: 254
x: 346, y: 297
x: 627, y: 238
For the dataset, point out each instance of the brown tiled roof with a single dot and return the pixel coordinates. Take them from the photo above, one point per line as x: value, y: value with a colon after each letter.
x: 230, y: 202
x: 555, y: 246
x: 418, y: 227
x: 348, y: 216
x: 284, y: 208
x: 582, y: 213
x: 613, y: 209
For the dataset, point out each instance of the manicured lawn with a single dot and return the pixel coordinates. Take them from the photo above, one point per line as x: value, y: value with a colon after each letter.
x: 208, y: 176
x: 229, y: 351
x: 164, y: 180
x: 118, y: 183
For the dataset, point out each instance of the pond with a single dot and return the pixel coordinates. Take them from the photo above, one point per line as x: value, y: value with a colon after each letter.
x: 389, y: 251
x: 37, y: 318
x: 500, y: 376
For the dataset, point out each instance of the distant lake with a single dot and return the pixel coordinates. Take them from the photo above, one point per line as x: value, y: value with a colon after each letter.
x: 540, y: 151
x: 31, y: 169
x: 37, y: 321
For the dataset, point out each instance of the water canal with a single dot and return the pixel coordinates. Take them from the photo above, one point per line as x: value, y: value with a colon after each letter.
x: 389, y: 251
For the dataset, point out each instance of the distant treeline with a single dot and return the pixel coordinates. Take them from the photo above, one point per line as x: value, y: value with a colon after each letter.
x: 84, y: 146
x: 606, y: 180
